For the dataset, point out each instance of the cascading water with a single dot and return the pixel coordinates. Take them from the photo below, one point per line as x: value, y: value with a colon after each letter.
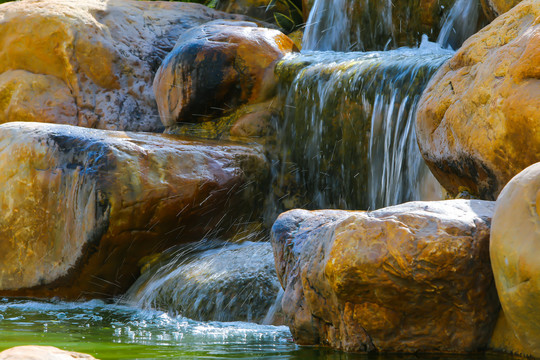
x: 211, y: 280
x: 460, y: 24
x: 348, y: 136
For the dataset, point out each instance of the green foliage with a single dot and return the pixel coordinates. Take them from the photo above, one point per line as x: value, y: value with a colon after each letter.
x: 5, y: 1
x: 292, y: 18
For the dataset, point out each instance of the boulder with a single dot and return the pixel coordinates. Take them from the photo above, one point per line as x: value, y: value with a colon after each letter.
x: 80, y: 207
x: 89, y: 63
x: 32, y: 352
x: 494, y: 8
x: 217, y: 67
x: 414, y: 277
x: 514, y: 250
x: 478, y: 122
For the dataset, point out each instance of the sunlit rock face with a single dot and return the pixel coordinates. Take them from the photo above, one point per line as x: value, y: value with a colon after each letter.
x: 41, y: 352
x: 408, y: 278
x: 80, y: 207
x: 515, y: 250
x: 217, y: 67
x: 494, y: 8
x: 97, y: 58
x: 478, y: 122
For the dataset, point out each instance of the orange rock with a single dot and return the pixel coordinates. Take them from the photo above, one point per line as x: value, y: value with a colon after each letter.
x: 409, y: 278
x: 514, y: 250
x: 98, y: 56
x: 80, y: 207
x: 217, y: 67
x: 478, y: 122
x: 494, y: 8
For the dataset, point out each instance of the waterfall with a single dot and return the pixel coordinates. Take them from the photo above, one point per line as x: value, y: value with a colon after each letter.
x: 330, y: 25
x: 460, y: 24
x: 211, y: 281
x: 347, y: 139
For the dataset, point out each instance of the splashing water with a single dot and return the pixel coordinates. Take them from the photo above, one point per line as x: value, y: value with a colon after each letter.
x: 348, y: 137
x: 211, y: 280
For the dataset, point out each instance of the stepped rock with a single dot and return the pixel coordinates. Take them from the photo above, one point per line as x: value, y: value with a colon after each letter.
x: 32, y: 352
x: 478, y: 122
x: 97, y: 57
x: 217, y: 67
x: 515, y: 249
x: 80, y: 207
x: 409, y: 278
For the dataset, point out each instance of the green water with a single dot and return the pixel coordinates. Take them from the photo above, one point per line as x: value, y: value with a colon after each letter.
x: 109, y: 331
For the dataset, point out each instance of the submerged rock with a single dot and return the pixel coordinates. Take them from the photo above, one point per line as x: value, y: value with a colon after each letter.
x: 478, y: 122
x: 80, y: 207
x: 408, y: 278
x: 32, y: 352
x: 211, y: 281
x: 515, y: 250
x: 217, y: 67
x: 96, y: 57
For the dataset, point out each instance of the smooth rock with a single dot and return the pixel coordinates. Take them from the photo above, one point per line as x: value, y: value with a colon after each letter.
x: 478, y: 122
x: 494, y: 8
x: 33, y: 352
x: 217, y: 67
x: 97, y: 57
x: 80, y: 207
x: 414, y: 277
x: 514, y: 250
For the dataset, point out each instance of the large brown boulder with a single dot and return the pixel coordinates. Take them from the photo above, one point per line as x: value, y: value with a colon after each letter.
x: 32, y: 352
x: 478, y: 122
x: 515, y: 250
x: 89, y: 63
x: 407, y: 278
x: 80, y: 207
x: 217, y: 67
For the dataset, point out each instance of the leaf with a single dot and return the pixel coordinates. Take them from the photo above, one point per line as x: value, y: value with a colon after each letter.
x: 270, y: 5
x: 284, y: 21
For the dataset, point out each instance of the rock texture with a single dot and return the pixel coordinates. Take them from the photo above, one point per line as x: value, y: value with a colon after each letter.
x: 494, y: 8
x: 80, y: 207
x: 514, y: 249
x: 89, y: 63
x: 32, y: 352
x: 408, y: 278
x: 217, y: 67
x: 478, y: 122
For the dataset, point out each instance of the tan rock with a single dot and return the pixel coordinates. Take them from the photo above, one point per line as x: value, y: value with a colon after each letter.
x: 514, y: 250
x: 99, y: 56
x: 217, y: 67
x: 478, y: 122
x: 407, y: 278
x: 80, y: 207
x: 494, y: 8
x: 32, y: 352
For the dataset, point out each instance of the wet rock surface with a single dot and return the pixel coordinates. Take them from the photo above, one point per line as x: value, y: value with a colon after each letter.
x: 478, y: 122
x: 81, y: 207
x: 494, y: 8
x: 514, y: 250
x: 217, y: 67
x: 408, y: 278
x: 97, y: 57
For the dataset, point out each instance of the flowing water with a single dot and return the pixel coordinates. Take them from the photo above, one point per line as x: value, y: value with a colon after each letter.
x: 348, y: 137
x: 346, y: 141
